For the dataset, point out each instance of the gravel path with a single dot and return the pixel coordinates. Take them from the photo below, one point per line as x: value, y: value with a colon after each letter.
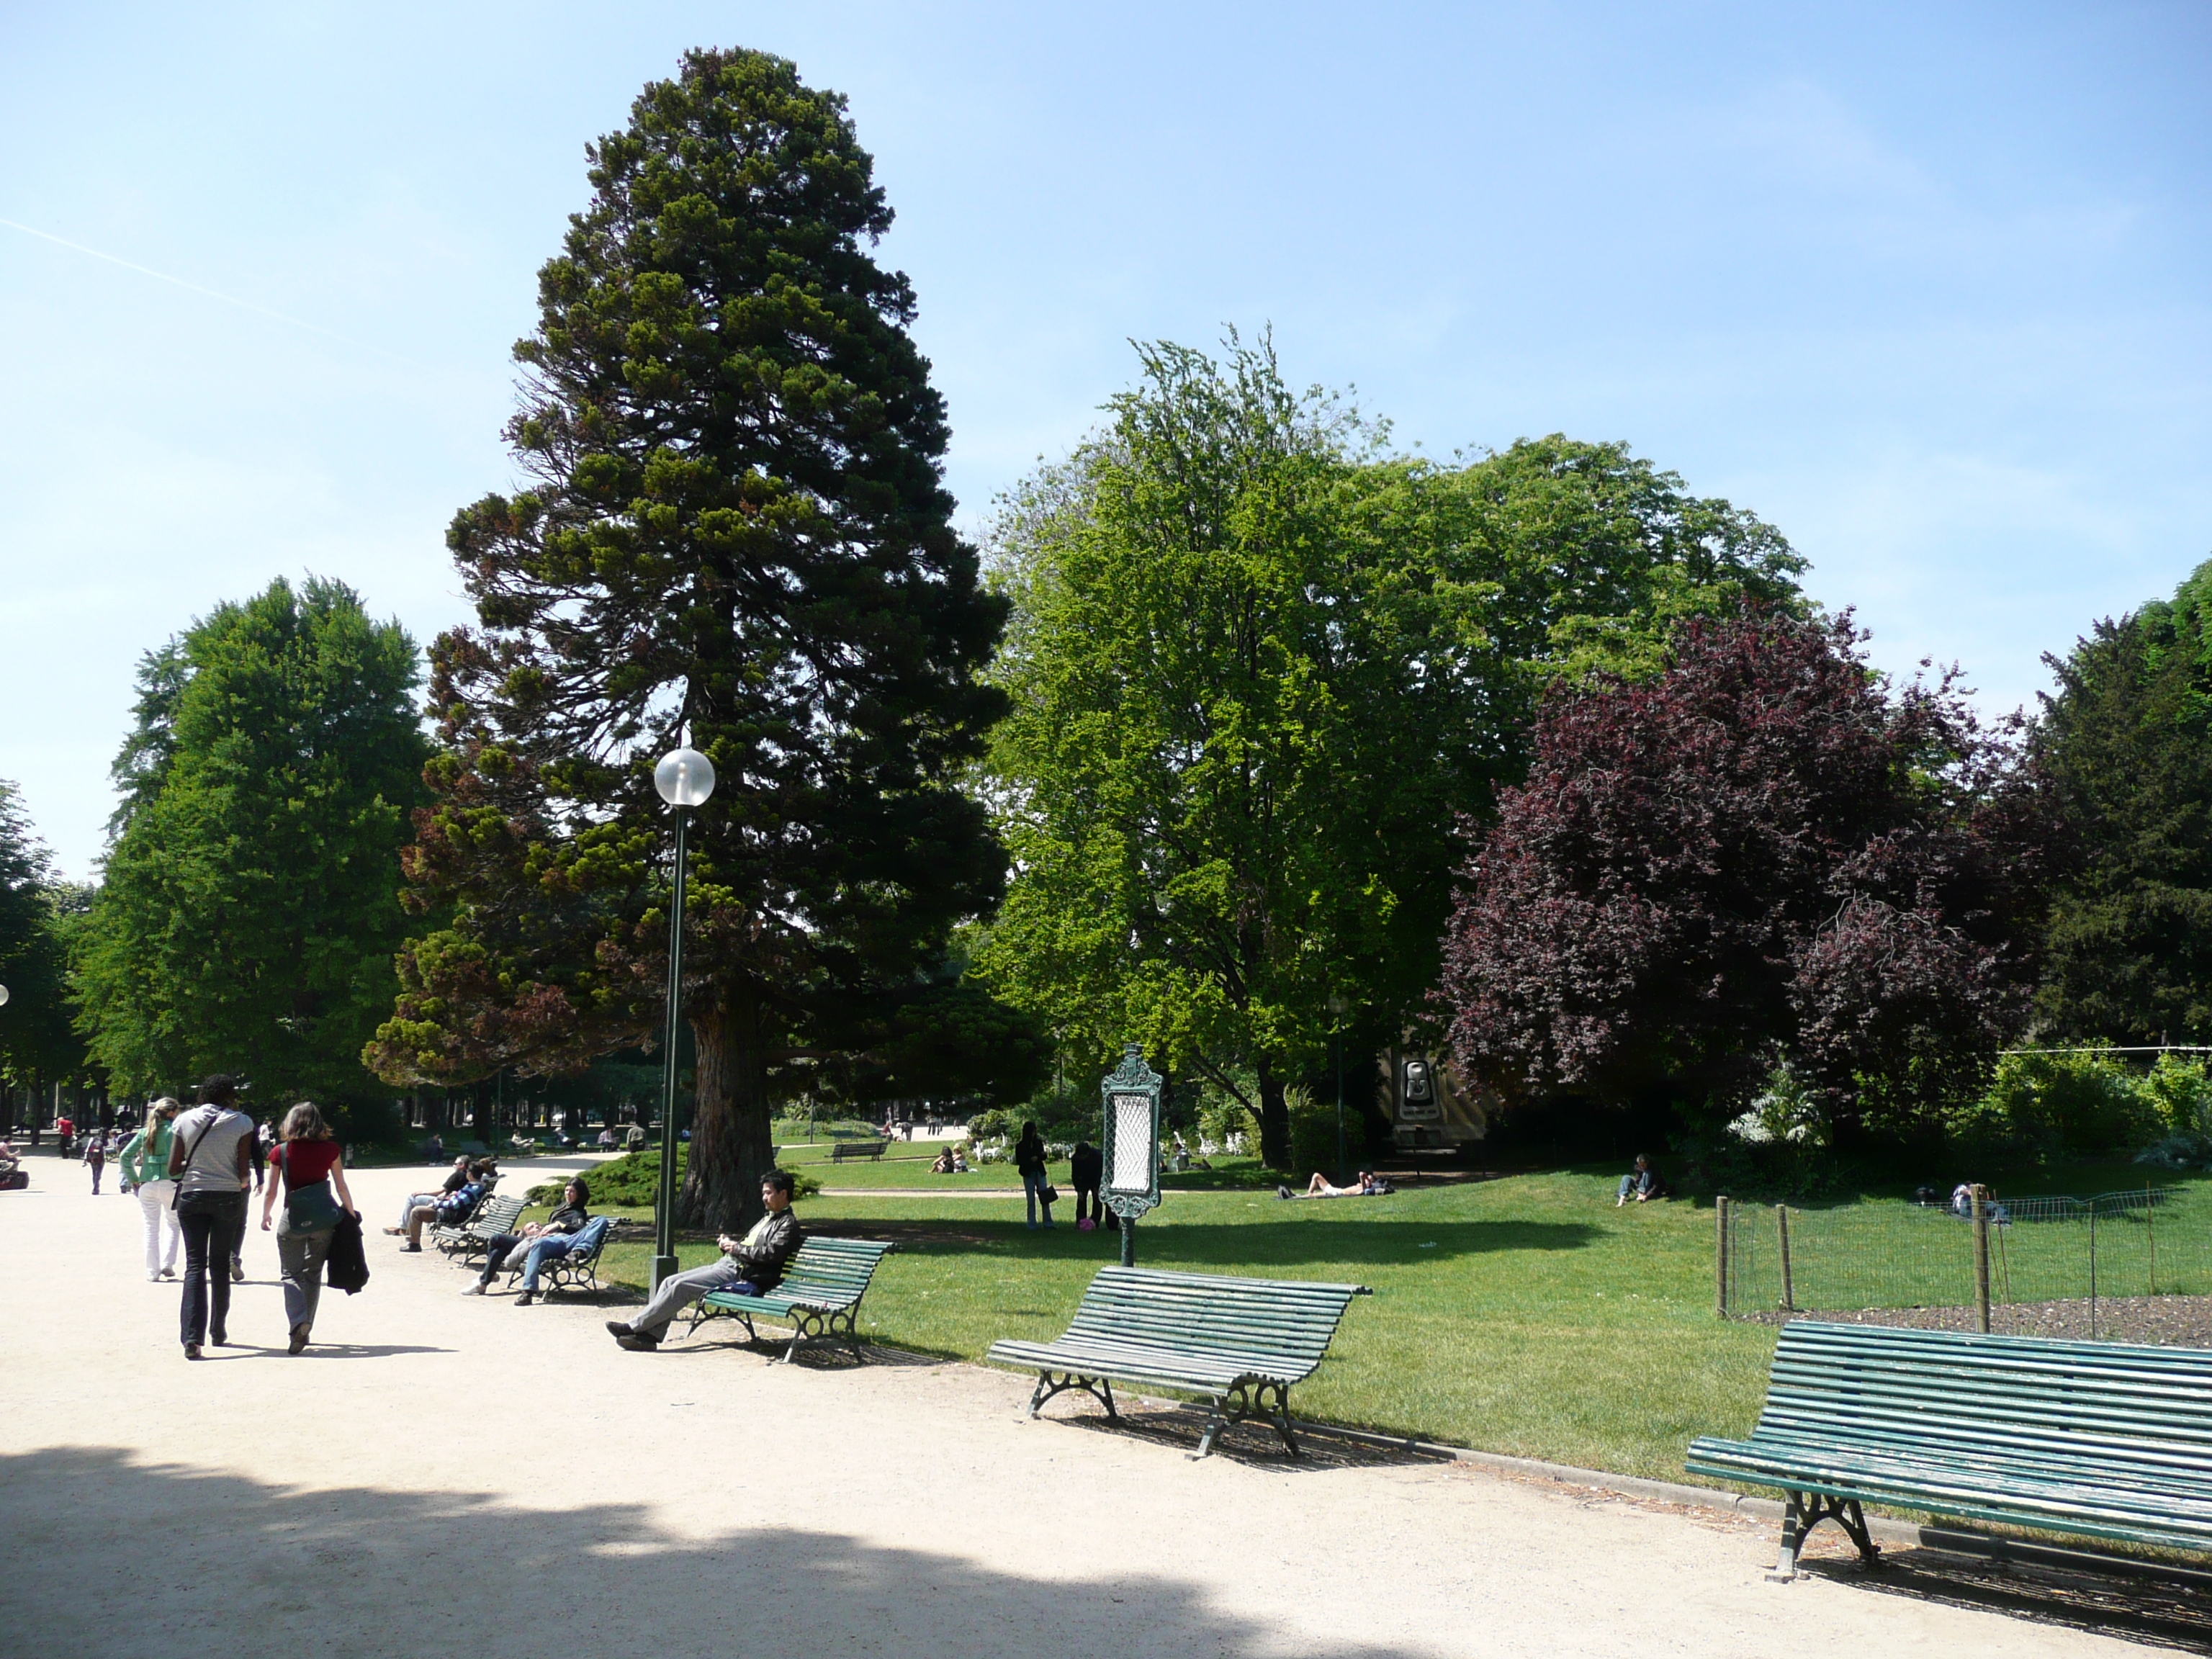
x: 440, y: 1476
x: 2182, y: 1321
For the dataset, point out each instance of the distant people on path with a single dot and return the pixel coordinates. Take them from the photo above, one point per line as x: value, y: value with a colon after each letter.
x: 433, y: 1149
x: 751, y: 1266
x: 95, y: 1157
x: 1642, y: 1183
x: 456, y: 1178
x: 312, y: 1168
x: 553, y: 1238
x: 212, y: 1161
x: 146, y: 1167
x: 1086, y: 1168
x: 608, y: 1143
x: 1369, y: 1185
x: 1028, y: 1163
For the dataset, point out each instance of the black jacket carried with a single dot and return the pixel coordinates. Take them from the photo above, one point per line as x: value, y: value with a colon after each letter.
x: 346, y: 1267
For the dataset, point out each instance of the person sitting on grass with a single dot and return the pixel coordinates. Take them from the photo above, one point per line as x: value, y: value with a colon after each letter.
x: 1643, y: 1183
x: 751, y: 1266
x: 554, y: 1236
x: 1369, y: 1185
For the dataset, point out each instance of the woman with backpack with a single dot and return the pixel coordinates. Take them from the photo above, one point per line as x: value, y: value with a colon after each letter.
x: 212, y: 1161
x: 1028, y: 1163
x: 311, y: 1166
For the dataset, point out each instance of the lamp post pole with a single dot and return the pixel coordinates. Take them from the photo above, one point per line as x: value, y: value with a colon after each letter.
x: 1337, y: 1006
x: 685, y: 778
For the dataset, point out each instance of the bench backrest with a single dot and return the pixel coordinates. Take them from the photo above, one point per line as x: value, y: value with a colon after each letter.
x: 1287, y: 1322
x: 497, y: 1215
x: 834, y: 1269
x: 2028, y: 1400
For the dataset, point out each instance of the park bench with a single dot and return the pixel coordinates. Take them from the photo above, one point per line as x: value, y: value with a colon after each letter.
x: 576, y: 1270
x: 1238, y: 1343
x: 841, y: 1150
x: 818, y: 1295
x: 2093, y: 1440
x: 492, y: 1216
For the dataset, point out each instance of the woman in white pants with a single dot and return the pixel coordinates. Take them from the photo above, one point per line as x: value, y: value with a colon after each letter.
x: 146, y: 1167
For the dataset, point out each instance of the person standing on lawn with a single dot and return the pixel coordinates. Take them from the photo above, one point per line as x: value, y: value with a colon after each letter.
x: 751, y: 1266
x: 309, y: 1162
x: 146, y: 1167
x: 212, y: 1161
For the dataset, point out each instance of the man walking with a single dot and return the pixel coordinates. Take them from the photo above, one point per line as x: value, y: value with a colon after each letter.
x: 750, y: 1266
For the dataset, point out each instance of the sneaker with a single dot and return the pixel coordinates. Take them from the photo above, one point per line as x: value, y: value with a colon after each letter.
x: 410, y: 1249
x: 192, y: 1351
x: 616, y: 1327
x: 168, y: 1273
x: 237, y: 1274
x: 526, y: 1298
x: 153, y: 1279
x: 638, y: 1342
x: 476, y: 1289
x: 299, y: 1338
x: 394, y: 1232
x: 218, y: 1339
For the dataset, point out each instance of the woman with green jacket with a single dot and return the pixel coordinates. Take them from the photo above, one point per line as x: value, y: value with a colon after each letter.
x: 146, y: 1167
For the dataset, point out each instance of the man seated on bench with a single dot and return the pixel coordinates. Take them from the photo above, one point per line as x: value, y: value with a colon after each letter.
x: 448, y: 1210
x: 750, y: 1266
x: 543, y: 1240
x: 456, y: 1178
x: 1642, y: 1183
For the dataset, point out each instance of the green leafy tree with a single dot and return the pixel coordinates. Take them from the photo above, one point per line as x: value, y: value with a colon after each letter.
x: 38, y: 1044
x: 250, y: 909
x: 1258, y: 674
x: 2128, y: 739
x: 735, y: 528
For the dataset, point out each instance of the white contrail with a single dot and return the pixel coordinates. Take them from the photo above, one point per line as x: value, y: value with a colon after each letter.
x: 212, y: 293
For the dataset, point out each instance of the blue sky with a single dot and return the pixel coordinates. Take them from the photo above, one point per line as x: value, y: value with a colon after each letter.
x: 1925, y: 285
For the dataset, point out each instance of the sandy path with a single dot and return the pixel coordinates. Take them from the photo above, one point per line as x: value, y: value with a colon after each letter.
x: 454, y: 1475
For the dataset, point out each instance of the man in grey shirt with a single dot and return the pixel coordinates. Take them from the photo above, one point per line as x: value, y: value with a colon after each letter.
x: 212, y: 1161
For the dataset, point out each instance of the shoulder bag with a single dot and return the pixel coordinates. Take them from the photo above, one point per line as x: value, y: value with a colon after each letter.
x: 313, y: 1208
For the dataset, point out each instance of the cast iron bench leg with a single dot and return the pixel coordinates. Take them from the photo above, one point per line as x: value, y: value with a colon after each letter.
x: 1802, y: 1513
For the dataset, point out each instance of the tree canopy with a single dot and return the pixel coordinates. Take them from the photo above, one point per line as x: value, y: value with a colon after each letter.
x: 736, y: 528
x: 2128, y: 740
x: 250, y: 908
x: 1257, y: 671
x: 38, y: 1041
x: 1763, y: 854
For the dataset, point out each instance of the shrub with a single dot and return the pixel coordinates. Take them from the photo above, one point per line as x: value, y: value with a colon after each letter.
x: 632, y: 1182
x: 2181, y: 1093
x: 2052, y: 1103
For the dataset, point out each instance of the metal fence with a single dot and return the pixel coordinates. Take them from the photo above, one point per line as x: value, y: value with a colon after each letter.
x: 2119, y: 1266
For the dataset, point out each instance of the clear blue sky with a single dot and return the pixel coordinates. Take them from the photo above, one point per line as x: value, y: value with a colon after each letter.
x: 1926, y: 286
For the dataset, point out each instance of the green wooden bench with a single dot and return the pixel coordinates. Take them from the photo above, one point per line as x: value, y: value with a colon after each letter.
x: 841, y: 1150
x: 1239, y: 1344
x: 473, y: 1237
x: 2091, y: 1439
x: 818, y: 1295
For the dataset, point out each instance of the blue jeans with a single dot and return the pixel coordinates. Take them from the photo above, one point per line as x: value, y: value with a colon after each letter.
x: 551, y: 1248
x: 1033, y: 1187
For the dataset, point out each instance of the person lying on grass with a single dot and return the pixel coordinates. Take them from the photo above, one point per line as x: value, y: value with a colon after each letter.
x: 751, y: 1266
x: 1369, y: 1185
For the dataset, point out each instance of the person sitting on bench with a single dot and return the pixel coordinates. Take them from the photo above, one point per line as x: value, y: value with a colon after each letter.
x: 750, y: 1266
x: 449, y: 1210
x: 542, y: 1240
x: 456, y: 1178
x: 1640, y: 1183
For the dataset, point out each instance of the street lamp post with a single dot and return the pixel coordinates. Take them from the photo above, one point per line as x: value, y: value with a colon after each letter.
x: 685, y: 778
x: 1337, y: 1006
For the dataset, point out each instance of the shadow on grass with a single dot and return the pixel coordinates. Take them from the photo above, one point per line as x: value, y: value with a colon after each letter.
x: 346, y: 1571
x: 1241, y: 1247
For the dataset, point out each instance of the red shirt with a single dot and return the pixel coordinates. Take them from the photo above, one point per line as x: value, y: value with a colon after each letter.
x: 304, y: 1162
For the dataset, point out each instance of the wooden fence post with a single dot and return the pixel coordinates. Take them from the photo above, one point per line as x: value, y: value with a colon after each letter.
x: 1720, y: 1255
x: 1781, y: 1236
x: 1981, y: 1259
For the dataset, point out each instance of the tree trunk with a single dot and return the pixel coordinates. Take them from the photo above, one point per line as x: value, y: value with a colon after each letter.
x: 1274, y: 1119
x: 731, y: 1147
x: 483, y: 1117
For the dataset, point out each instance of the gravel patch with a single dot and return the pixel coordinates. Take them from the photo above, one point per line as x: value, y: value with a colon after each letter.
x: 2184, y: 1321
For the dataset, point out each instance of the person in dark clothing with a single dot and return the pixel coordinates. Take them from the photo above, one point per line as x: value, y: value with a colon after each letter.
x: 260, y: 1151
x: 212, y: 1161
x: 1642, y: 1183
x: 1085, y: 1171
x: 751, y: 1266
x: 95, y: 1158
x: 541, y: 1240
x: 1028, y: 1163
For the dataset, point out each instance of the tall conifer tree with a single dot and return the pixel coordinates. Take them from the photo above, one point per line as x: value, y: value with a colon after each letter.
x: 736, y: 530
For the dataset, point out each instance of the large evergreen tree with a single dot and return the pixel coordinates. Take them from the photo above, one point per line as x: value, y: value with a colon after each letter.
x: 250, y: 909
x: 736, y: 530
x: 38, y: 1044
x: 2128, y: 738
x: 1258, y: 674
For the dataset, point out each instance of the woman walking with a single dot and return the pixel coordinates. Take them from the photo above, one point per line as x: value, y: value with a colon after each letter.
x: 95, y: 1158
x: 309, y: 1161
x: 1028, y: 1163
x: 146, y: 1167
x: 212, y: 1161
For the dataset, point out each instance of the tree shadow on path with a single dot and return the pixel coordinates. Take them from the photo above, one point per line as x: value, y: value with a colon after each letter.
x: 259, y: 1569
